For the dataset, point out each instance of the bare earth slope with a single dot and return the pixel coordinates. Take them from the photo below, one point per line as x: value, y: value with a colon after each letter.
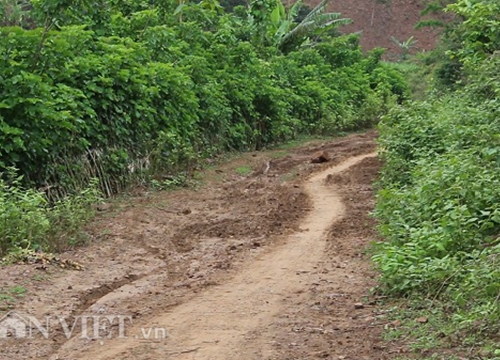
x: 379, y: 20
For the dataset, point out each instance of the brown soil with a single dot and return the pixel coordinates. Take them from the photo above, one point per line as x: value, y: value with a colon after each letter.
x: 269, y: 265
x: 380, y: 20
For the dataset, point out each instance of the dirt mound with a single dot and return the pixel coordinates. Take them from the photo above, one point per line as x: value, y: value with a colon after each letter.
x: 249, y: 213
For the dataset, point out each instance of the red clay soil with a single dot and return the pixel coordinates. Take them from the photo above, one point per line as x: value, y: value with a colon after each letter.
x: 380, y: 20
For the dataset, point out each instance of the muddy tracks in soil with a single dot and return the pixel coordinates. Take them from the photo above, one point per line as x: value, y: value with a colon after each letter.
x: 215, y: 324
x: 219, y: 268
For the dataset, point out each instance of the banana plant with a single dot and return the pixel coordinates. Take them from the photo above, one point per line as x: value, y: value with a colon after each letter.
x: 405, y: 46
x: 283, y: 22
x: 291, y: 35
x: 279, y: 27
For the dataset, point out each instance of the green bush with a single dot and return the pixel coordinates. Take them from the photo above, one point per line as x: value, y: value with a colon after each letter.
x: 130, y: 91
x: 28, y: 220
x: 86, y: 92
x: 438, y: 203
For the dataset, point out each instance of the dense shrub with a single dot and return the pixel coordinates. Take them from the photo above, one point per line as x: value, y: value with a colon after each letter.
x: 72, y: 94
x: 28, y: 220
x: 438, y: 204
x: 130, y: 91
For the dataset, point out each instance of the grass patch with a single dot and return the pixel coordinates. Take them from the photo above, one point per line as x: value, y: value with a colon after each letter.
x: 304, y: 139
x: 5, y: 297
x: 243, y: 170
x: 28, y: 220
x: 9, y: 297
x: 18, y: 291
x: 441, y: 338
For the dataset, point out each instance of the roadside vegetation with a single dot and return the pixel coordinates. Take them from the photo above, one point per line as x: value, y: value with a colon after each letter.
x: 97, y: 96
x: 438, y: 202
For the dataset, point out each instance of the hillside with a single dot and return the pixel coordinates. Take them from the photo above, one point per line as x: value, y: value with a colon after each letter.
x: 379, y: 20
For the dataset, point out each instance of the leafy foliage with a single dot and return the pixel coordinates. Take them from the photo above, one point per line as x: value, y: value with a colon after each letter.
x: 315, y: 22
x: 479, y: 32
x: 101, y: 99
x: 29, y: 221
x: 15, y: 13
x: 438, y: 203
x: 131, y: 91
x: 272, y: 24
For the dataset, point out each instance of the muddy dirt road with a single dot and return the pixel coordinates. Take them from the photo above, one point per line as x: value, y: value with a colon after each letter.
x: 265, y: 261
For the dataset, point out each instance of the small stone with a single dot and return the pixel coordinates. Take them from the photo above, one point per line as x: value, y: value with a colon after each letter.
x: 359, y: 306
x: 199, y: 275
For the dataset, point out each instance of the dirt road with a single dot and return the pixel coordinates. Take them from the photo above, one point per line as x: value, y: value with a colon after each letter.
x: 265, y: 265
x: 214, y: 324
